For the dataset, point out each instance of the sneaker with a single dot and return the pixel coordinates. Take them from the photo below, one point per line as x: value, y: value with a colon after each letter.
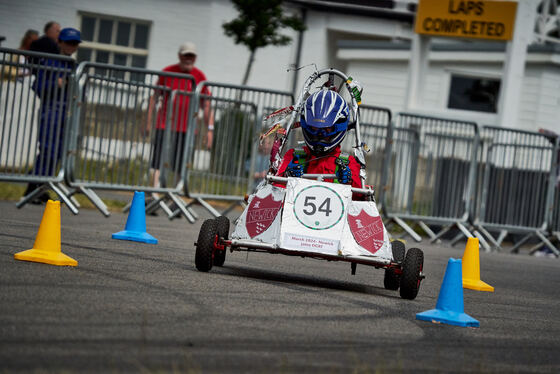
x: 41, y: 199
x: 544, y: 252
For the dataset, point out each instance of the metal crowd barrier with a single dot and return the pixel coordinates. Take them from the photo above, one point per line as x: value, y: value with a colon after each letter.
x: 128, y: 127
x: 431, y: 165
x: 116, y: 126
x: 225, y: 169
x: 263, y: 99
x: 555, y: 214
x: 234, y: 107
x: 517, y: 185
x: 35, y: 90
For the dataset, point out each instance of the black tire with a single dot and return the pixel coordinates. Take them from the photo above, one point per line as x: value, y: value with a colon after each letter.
x: 205, y: 245
x: 411, y: 275
x: 222, y: 225
x: 392, y: 281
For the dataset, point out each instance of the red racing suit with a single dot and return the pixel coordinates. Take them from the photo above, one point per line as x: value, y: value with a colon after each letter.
x: 324, y: 164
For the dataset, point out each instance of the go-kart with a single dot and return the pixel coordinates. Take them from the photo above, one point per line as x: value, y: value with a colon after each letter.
x: 309, y: 217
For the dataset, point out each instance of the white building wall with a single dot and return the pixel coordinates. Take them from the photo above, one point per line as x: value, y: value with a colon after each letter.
x: 529, y: 101
x: 315, y: 45
x: 173, y: 22
x: 383, y: 75
x: 226, y: 61
x: 436, y: 92
x: 385, y: 84
x: 548, y: 108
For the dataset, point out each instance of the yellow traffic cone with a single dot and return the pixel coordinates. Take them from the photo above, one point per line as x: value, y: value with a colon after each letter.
x: 47, y: 243
x: 471, y: 268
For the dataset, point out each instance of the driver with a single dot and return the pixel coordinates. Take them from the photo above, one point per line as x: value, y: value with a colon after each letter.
x: 324, y: 123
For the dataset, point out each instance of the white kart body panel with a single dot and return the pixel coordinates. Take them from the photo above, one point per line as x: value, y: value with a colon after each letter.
x: 315, y: 217
x: 270, y: 234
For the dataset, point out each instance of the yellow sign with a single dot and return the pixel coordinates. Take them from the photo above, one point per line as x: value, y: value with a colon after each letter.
x: 466, y: 19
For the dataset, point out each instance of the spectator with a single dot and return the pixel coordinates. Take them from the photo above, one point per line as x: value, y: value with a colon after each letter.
x: 17, y: 70
x: 48, y: 42
x: 29, y: 37
x: 52, y: 86
x: 187, y: 58
x: 262, y: 161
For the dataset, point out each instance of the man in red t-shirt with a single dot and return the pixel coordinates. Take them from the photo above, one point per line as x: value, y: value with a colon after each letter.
x: 180, y: 109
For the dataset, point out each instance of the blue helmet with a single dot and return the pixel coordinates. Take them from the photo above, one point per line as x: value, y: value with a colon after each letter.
x: 324, y: 121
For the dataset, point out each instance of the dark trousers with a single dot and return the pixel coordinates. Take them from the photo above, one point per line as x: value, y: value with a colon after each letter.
x: 50, y: 139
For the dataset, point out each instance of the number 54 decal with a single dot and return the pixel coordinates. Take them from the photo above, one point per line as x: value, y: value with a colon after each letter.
x: 318, y: 207
x: 324, y: 207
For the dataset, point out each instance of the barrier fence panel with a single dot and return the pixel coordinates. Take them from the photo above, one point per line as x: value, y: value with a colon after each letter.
x: 517, y: 185
x: 555, y: 220
x: 233, y: 105
x: 431, y: 172
x: 129, y: 131
x: 374, y: 124
x: 34, y: 96
x: 225, y: 169
x: 263, y: 99
x: 136, y: 129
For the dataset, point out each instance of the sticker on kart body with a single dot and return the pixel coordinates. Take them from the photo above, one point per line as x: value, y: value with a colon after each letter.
x: 367, y: 231
x: 260, y: 214
x: 311, y: 243
x: 318, y: 207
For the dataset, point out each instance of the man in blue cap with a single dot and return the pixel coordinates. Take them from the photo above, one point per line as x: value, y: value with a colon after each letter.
x: 52, y: 86
x: 68, y: 41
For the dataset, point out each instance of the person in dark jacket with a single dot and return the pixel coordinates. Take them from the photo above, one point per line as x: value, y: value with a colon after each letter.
x: 52, y: 87
x: 48, y: 43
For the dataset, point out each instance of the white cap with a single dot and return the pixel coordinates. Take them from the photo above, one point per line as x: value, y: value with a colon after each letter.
x: 187, y: 47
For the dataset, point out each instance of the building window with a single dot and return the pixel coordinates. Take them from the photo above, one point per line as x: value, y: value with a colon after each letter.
x: 474, y: 93
x: 114, y: 40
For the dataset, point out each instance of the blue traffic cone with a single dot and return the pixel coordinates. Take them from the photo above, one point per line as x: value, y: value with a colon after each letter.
x: 449, y: 308
x: 135, y: 228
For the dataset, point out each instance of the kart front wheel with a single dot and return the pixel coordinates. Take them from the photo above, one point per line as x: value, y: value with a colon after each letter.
x: 222, y: 225
x: 412, y: 273
x: 205, y: 245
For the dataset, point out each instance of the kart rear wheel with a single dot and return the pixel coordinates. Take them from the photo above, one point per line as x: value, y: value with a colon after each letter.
x: 205, y: 245
x: 392, y: 280
x: 411, y: 274
x: 222, y: 225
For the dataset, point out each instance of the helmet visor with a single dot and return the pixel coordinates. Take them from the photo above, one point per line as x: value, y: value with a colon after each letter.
x: 321, y: 134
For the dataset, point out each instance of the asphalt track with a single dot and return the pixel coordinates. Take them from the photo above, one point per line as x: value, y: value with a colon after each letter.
x: 131, y: 307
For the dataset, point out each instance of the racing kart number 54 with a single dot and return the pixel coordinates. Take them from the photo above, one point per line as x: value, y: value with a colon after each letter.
x: 305, y: 216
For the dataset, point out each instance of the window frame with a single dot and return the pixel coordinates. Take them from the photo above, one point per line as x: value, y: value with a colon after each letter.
x: 473, y: 75
x: 130, y: 51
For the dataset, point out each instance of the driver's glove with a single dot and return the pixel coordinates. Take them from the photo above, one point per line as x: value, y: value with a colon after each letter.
x: 294, y: 169
x: 344, y: 174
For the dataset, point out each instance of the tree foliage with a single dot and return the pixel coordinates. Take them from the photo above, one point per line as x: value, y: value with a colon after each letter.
x: 258, y: 25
